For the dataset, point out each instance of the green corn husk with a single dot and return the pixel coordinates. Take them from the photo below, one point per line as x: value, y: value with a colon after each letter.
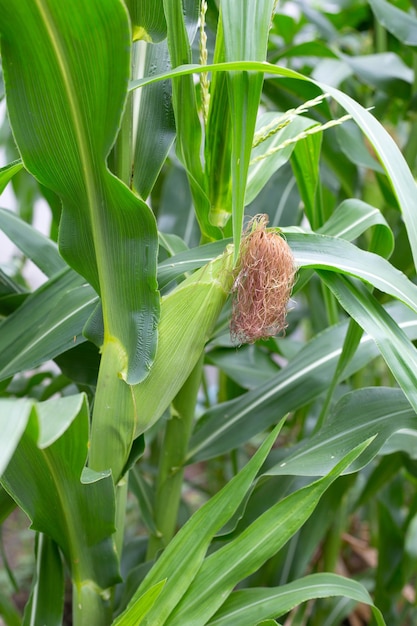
x: 121, y: 411
x: 188, y: 315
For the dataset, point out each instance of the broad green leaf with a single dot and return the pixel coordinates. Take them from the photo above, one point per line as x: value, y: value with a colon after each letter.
x: 7, y: 172
x: 148, y: 19
x: 49, y: 322
x: 377, y: 412
x: 138, y: 607
x: 41, y: 250
x: 64, y: 132
x: 401, y: 24
x: 184, y: 554
x: 306, y: 376
x: 45, y: 476
x: 225, y: 568
x: 399, y: 353
x: 46, y: 602
x: 245, y: 606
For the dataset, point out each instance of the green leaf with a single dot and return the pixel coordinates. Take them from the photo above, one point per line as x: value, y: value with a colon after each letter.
x: 155, y: 118
x: 398, y: 351
x: 246, y: 606
x: 138, y: 607
x: 386, y: 149
x: 41, y: 250
x: 7, y: 172
x: 261, y: 170
x: 45, y: 476
x: 46, y: 602
x: 305, y: 164
x: 225, y: 568
x: 352, y: 218
x: 373, y: 412
x: 64, y: 132
x: 48, y: 323
x: 321, y: 252
x: 401, y: 24
x: 307, y: 375
x: 385, y: 71
x: 245, y: 33
x: 14, y: 416
x: 184, y: 554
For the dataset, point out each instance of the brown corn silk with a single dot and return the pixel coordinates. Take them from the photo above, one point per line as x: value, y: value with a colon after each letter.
x: 263, y: 285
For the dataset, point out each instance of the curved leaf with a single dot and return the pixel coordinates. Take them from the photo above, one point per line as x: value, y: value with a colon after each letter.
x: 40, y: 249
x: 183, y: 556
x: 246, y: 606
x: 44, y: 476
x: 401, y: 24
x: 230, y: 424
x: 49, y: 322
x: 7, y: 172
x: 386, y: 412
x: 399, y: 353
x: 148, y: 19
x: 226, y: 567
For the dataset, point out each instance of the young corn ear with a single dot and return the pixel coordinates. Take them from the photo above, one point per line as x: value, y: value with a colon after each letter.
x: 188, y: 315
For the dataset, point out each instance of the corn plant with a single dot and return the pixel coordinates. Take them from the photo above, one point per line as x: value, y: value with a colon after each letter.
x: 126, y: 117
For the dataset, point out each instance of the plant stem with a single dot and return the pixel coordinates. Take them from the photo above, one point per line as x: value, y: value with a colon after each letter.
x: 89, y: 607
x: 171, y: 471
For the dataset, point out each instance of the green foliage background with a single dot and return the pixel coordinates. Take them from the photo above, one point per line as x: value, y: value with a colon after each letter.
x: 171, y: 477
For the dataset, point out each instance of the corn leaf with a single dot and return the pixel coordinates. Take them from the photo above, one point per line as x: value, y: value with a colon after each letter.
x: 46, y: 602
x: 245, y: 606
x: 401, y: 24
x: 40, y: 249
x: 7, y: 172
x: 49, y: 322
x: 45, y: 477
x: 239, y: 558
x: 138, y: 607
x: 183, y: 556
x: 306, y: 376
x: 155, y: 118
x: 245, y: 31
x: 394, y: 345
x: 64, y: 132
x: 387, y: 411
